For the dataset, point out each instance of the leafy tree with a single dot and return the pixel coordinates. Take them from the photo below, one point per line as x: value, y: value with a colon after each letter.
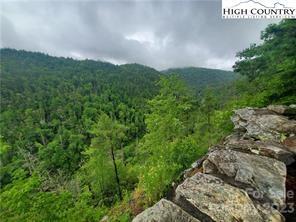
x: 271, y: 65
x: 167, y: 148
x: 109, y: 136
x: 207, y: 107
x: 6, y: 155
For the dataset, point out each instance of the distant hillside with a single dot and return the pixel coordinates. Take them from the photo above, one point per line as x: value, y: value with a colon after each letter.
x: 200, y: 78
x: 22, y: 69
x: 77, y: 91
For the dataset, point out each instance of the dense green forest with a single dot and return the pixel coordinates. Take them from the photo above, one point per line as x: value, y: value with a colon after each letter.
x: 84, y: 139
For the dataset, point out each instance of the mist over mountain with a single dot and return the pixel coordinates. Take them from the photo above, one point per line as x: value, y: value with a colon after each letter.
x: 25, y: 62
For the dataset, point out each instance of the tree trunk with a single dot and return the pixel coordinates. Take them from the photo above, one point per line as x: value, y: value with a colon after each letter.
x: 209, y: 127
x: 116, y: 174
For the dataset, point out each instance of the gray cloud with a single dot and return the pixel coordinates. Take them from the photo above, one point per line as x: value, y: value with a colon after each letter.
x: 160, y: 34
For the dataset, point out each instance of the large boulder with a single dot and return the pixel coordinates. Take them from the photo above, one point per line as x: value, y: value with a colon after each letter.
x: 164, y: 211
x: 267, y: 148
x: 263, y: 124
x: 263, y: 177
x: 210, y: 199
x: 283, y: 110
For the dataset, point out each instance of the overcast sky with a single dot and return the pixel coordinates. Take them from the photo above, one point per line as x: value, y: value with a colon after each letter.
x: 160, y: 34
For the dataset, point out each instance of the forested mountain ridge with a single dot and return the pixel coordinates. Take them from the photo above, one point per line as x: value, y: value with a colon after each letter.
x: 200, y: 78
x: 53, y: 110
x: 50, y: 108
x: 58, y: 90
x: 31, y: 65
x: 42, y: 64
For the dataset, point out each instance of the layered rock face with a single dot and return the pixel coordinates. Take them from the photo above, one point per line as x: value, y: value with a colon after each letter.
x: 242, y: 179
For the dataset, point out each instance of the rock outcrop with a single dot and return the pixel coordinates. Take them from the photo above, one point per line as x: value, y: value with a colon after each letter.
x: 165, y: 211
x: 215, y: 200
x: 258, y: 173
x: 245, y: 178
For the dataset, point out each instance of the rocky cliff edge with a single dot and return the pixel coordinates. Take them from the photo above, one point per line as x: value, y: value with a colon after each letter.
x: 249, y: 177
